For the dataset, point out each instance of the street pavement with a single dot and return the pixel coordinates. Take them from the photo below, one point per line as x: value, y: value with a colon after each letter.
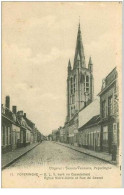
x: 51, y: 153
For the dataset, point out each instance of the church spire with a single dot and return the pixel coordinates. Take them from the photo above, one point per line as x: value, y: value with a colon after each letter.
x: 69, y: 63
x: 90, y: 65
x: 69, y: 66
x: 90, y: 61
x: 79, y: 49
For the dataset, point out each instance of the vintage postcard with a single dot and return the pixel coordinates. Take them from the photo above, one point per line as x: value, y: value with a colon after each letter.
x: 61, y: 94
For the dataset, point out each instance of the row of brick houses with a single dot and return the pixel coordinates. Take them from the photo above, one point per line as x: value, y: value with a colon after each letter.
x: 17, y: 130
x: 92, y: 124
x: 96, y: 126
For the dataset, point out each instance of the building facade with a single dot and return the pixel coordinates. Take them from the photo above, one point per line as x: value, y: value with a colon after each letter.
x: 25, y: 132
x: 55, y: 135
x: 109, y: 112
x: 73, y: 130
x: 89, y: 134
x: 61, y: 132
x: 17, y: 131
x: 6, y: 130
x: 31, y: 126
x: 10, y: 131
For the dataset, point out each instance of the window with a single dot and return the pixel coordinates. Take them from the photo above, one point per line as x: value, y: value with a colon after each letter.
x: 104, y: 109
x: 105, y: 135
x: 13, y: 137
x: 73, y: 99
x: 2, y: 135
x: 9, y: 136
x: 17, y: 135
x: 92, y: 137
x: 27, y: 136
x: 74, y: 83
x: 71, y: 85
x: 21, y: 136
x: 6, y: 135
x: 71, y: 111
x: 87, y: 83
x: 98, y: 138
x: 84, y: 85
x: 82, y: 78
x: 115, y: 133
x: 85, y: 139
x: 110, y: 106
x: 70, y: 99
x: 89, y: 139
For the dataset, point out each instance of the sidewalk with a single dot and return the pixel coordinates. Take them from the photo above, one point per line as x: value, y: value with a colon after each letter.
x: 99, y: 155
x: 10, y: 157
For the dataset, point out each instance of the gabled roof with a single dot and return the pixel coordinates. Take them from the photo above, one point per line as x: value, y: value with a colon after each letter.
x: 93, y: 121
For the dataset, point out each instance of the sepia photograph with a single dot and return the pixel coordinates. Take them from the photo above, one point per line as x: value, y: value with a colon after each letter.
x: 61, y: 95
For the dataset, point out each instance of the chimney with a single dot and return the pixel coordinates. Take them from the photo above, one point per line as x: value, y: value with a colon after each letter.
x: 14, y: 109
x: 7, y: 104
x: 20, y: 114
x: 24, y: 115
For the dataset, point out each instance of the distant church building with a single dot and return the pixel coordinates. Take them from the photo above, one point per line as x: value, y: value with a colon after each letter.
x: 80, y: 82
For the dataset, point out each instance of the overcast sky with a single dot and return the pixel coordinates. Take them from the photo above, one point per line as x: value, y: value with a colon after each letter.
x: 39, y: 38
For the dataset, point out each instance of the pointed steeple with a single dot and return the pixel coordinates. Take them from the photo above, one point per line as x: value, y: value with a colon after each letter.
x: 79, y: 49
x: 90, y: 61
x: 69, y: 66
x: 90, y: 64
x: 69, y: 63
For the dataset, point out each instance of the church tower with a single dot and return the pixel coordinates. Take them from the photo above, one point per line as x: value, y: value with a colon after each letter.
x: 80, y: 89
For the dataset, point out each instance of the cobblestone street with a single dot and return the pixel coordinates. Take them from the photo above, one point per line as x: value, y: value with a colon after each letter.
x: 50, y: 153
